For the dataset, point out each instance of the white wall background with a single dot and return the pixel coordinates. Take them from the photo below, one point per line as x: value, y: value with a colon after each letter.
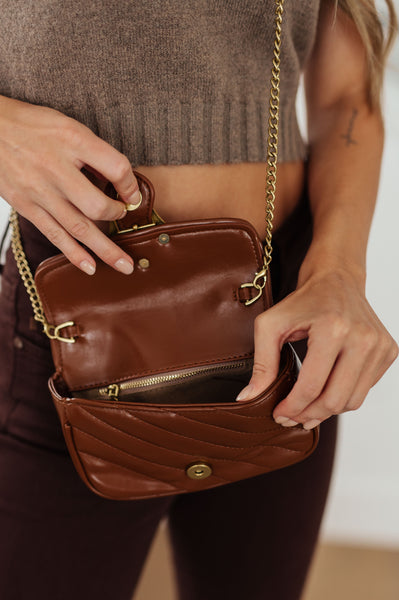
x: 364, y: 501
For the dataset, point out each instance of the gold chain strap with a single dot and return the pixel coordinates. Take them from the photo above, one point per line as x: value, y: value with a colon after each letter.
x: 24, y: 269
x: 260, y: 278
x: 272, y: 136
x: 259, y: 281
x: 52, y: 331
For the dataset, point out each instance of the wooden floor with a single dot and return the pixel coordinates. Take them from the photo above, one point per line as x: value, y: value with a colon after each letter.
x: 350, y: 573
x: 338, y: 573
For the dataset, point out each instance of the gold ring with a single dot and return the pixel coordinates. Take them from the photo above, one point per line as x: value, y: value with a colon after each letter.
x: 129, y: 205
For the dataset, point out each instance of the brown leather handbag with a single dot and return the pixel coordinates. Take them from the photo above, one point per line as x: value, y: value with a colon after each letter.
x: 148, y: 366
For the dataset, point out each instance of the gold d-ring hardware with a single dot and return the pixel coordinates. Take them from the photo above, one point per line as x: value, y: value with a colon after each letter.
x: 52, y: 331
x: 258, y: 283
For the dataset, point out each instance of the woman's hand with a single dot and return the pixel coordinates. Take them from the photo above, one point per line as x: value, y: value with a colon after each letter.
x: 42, y: 152
x: 348, y: 348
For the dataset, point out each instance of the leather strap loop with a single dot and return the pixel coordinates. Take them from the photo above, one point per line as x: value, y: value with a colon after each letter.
x: 141, y: 215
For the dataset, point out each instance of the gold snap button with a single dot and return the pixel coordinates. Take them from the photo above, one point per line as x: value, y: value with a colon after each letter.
x: 163, y: 238
x: 198, y: 471
x: 144, y: 263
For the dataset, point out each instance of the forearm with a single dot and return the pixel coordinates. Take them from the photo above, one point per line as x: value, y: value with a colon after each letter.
x: 346, y: 143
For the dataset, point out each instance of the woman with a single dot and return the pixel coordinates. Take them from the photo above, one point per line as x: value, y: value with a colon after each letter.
x: 179, y: 90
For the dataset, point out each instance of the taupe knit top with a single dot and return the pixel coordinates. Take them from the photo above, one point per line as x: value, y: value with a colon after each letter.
x: 164, y: 81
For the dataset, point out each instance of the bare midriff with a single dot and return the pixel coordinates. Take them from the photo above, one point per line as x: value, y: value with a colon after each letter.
x: 228, y: 190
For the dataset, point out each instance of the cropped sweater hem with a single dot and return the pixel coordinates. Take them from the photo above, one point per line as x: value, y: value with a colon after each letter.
x: 199, y: 132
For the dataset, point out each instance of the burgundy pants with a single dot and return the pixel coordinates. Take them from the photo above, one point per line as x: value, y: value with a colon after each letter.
x: 252, y: 539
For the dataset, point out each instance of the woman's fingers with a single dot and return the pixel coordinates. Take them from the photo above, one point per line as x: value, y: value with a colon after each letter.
x: 364, y: 354
x: 361, y: 370
x: 372, y: 376
x: 346, y: 389
x: 87, y: 204
x: 88, y: 198
x: 84, y: 230
x: 337, y: 392
x: 323, y: 350
x: 66, y: 225
x: 42, y: 153
x: 92, y: 151
x: 266, y: 357
x: 50, y: 228
x: 349, y: 349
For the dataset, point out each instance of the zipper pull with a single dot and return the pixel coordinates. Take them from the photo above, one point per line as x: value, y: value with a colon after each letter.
x: 113, y: 391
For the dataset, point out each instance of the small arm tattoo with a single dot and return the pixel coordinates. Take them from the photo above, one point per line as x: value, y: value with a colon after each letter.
x: 348, y: 135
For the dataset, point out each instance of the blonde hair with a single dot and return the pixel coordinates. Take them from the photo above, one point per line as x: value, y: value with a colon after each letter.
x: 376, y: 40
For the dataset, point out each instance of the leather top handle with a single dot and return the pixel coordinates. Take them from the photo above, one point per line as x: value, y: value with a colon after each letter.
x: 143, y: 214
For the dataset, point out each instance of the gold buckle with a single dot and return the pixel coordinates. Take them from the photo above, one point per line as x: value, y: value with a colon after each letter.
x: 52, y: 331
x: 133, y: 228
x: 156, y: 220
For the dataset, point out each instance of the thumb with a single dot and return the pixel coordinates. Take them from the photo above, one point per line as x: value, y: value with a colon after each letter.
x: 266, y: 360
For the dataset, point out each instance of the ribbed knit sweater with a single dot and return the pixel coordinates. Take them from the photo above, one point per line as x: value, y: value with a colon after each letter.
x: 164, y: 81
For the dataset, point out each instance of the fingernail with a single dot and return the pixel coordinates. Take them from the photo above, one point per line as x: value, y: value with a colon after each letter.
x: 87, y: 267
x: 245, y: 393
x: 289, y: 423
x: 122, y: 215
x: 124, y: 266
x: 311, y: 424
x: 285, y: 421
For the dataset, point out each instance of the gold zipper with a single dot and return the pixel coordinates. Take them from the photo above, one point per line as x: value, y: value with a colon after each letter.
x: 113, y: 391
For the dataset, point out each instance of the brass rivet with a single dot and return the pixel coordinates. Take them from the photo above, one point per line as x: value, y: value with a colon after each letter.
x: 198, y: 471
x: 144, y: 263
x: 163, y: 238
